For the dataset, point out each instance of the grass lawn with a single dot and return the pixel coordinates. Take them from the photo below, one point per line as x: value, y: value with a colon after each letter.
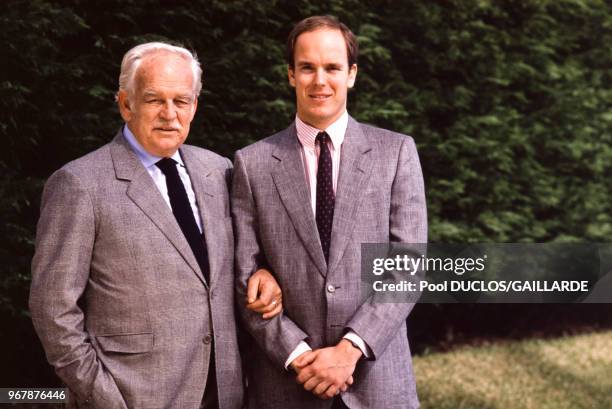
x: 565, y: 373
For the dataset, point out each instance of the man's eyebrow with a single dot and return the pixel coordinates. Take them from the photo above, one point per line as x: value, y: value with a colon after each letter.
x: 149, y: 93
x: 152, y: 93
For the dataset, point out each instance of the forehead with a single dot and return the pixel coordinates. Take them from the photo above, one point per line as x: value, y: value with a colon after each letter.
x: 164, y: 71
x: 323, y: 43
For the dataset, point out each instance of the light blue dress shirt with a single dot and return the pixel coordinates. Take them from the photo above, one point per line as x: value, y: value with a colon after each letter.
x: 149, y: 161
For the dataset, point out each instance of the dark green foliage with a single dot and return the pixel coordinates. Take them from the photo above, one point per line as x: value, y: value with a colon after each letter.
x: 509, y: 102
x: 510, y: 105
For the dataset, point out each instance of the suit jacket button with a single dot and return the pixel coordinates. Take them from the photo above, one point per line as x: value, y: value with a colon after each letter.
x: 331, y: 288
x: 207, y: 339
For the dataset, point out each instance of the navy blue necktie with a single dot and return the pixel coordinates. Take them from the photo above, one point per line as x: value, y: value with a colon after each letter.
x: 325, y: 194
x: 183, y: 213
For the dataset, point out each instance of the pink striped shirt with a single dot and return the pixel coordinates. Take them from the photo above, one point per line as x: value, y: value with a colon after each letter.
x: 310, y: 152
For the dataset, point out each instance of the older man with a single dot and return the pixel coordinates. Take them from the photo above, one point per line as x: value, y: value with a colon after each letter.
x: 304, y: 200
x: 132, y: 280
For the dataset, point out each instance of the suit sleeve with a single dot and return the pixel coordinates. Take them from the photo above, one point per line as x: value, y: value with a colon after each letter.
x: 375, y: 321
x: 278, y: 336
x: 60, y: 271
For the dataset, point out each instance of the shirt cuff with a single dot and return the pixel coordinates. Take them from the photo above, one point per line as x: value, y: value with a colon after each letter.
x: 299, y: 350
x: 357, y: 340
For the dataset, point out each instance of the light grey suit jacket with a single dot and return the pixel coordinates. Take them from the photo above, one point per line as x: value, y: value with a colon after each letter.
x: 379, y: 198
x: 117, y: 297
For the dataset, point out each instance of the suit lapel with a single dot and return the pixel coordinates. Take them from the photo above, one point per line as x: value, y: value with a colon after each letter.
x: 144, y: 193
x: 355, y: 169
x: 290, y: 181
x: 201, y: 175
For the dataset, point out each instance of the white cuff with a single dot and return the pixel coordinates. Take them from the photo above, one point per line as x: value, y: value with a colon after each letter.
x: 299, y: 350
x: 352, y: 336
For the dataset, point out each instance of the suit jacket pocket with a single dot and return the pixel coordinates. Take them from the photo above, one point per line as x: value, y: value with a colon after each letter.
x: 126, y: 343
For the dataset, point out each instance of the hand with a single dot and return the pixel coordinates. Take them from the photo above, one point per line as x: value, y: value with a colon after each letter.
x: 264, y: 295
x: 306, y: 359
x: 302, y: 361
x: 327, y: 371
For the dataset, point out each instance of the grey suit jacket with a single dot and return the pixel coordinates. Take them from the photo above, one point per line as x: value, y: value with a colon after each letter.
x: 379, y: 198
x: 118, y: 299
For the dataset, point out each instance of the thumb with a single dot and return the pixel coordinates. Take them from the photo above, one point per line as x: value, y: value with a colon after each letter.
x: 252, y: 287
x: 305, y: 359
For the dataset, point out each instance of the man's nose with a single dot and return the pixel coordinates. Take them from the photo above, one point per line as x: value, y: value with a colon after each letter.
x: 319, y: 78
x: 168, y: 111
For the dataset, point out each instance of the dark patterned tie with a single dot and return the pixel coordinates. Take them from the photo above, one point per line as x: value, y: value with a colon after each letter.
x: 183, y: 213
x: 325, y: 194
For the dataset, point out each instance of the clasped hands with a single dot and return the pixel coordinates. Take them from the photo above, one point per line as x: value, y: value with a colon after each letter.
x: 327, y: 371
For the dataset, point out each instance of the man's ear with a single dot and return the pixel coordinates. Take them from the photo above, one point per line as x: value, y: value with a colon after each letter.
x: 124, y: 105
x: 352, y: 76
x: 291, y: 76
x: 195, y: 107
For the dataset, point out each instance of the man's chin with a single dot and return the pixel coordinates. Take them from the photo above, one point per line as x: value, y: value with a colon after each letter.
x: 319, y: 118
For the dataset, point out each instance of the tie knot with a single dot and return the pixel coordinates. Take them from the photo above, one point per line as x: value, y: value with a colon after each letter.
x: 167, y: 165
x: 322, y: 138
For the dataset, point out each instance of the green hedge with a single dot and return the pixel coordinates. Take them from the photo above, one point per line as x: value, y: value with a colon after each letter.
x: 509, y: 102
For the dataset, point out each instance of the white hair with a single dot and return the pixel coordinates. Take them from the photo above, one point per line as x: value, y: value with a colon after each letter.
x: 133, y: 58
